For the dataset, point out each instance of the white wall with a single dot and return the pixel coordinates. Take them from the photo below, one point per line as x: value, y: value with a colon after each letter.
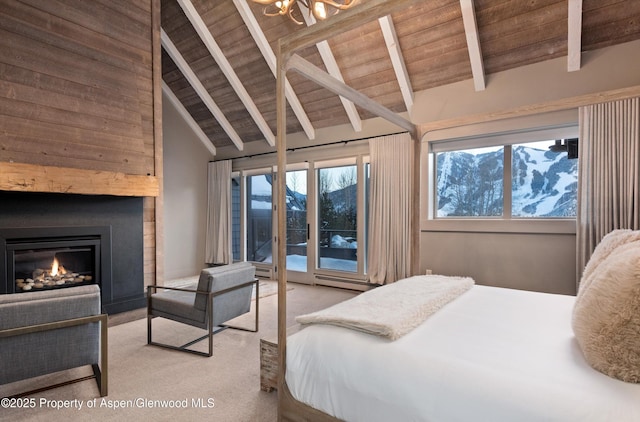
x: 185, y: 195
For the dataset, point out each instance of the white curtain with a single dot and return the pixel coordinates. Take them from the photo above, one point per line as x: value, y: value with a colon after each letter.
x: 389, y: 254
x: 609, y: 182
x: 218, y: 236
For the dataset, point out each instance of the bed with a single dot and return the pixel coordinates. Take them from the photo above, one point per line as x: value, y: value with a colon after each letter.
x: 491, y: 354
x: 488, y: 353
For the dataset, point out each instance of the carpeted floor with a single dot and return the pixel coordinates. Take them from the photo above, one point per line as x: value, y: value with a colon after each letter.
x: 150, y: 383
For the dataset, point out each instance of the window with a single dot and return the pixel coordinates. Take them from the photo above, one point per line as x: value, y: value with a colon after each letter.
x: 544, y: 183
x: 236, y: 235
x: 469, y: 182
x: 297, y: 229
x: 259, y: 215
x: 337, y: 218
x: 509, y: 176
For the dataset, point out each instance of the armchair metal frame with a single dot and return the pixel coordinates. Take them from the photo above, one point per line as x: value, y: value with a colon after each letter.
x: 100, y: 372
x: 210, y: 310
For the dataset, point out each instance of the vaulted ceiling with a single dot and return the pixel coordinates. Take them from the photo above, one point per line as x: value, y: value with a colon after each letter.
x: 218, y: 58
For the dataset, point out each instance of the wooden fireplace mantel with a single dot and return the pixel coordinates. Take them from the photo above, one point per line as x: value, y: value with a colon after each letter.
x: 37, y: 178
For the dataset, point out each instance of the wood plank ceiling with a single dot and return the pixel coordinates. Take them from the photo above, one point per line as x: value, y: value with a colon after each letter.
x: 218, y: 58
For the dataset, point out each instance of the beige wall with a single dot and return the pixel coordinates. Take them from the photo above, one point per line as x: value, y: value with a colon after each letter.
x: 185, y: 196
x: 522, y: 258
x: 602, y: 70
x: 527, y: 261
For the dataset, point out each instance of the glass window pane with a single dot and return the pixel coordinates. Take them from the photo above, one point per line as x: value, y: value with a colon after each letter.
x: 235, y: 218
x: 337, y: 218
x: 367, y: 196
x: 259, y: 210
x: 543, y: 183
x: 297, y: 220
x: 469, y: 183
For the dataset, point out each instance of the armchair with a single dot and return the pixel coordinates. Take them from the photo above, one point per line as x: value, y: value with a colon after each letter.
x: 221, y: 294
x: 58, y: 329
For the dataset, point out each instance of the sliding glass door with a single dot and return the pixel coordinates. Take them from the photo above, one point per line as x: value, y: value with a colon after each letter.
x: 297, y: 226
x: 338, y: 218
x: 259, y: 218
x: 326, y: 219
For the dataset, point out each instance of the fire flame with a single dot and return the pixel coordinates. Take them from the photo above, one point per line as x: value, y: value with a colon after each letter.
x: 54, y: 267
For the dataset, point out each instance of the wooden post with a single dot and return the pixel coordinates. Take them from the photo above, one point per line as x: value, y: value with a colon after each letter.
x: 281, y: 213
x: 158, y: 206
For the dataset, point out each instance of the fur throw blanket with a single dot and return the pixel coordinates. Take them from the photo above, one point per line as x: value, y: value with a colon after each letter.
x: 393, y: 310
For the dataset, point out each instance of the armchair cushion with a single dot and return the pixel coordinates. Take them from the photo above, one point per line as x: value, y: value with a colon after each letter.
x: 30, y: 355
x: 215, y: 279
x: 178, y: 306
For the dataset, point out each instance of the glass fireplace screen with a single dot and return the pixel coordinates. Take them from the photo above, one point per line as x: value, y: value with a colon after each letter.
x: 54, y: 266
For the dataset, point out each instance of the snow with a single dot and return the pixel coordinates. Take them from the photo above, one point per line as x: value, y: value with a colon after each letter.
x: 338, y: 241
x: 299, y: 263
x: 260, y: 205
x: 543, y: 202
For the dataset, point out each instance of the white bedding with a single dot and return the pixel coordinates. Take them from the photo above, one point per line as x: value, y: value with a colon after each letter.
x: 490, y: 355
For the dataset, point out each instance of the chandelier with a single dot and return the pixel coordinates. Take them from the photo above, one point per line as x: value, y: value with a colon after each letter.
x: 321, y: 9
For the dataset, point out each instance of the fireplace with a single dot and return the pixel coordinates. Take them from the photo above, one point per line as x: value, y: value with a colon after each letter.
x: 95, y: 238
x: 45, y: 258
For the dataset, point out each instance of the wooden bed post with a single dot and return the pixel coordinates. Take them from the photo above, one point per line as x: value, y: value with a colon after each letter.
x: 281, y: 214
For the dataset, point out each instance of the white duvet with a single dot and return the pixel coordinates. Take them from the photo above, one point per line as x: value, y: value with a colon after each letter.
x: 490, y: 355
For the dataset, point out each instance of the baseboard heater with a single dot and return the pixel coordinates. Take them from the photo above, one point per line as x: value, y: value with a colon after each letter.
x: 342, y: 282
x: 264, y: 272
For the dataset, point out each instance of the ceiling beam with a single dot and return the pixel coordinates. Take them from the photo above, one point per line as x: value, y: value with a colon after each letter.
x: 187, y: 118
x: 399, y: 65
x: 574, y: 39
x: 322, y: 78
x: 207, y: 38
x: 270, y: 58
x: 339, y: 23
x: 473, y: 43
x: 332, y: 67
x: 200, y: 89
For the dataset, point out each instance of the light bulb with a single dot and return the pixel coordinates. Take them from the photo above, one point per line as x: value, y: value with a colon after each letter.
x: 319, y: 10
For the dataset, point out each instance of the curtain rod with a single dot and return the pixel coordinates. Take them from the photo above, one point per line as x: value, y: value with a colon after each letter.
x: 322, y: 145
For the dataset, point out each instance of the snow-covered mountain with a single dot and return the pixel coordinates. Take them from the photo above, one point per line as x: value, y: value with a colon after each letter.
x: 544, y: 183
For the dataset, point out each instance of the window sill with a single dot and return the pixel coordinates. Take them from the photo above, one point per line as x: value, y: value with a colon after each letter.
x: 486, y: 225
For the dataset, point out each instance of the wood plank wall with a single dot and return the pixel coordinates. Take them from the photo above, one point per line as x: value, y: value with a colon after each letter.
x: 80, y: 89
